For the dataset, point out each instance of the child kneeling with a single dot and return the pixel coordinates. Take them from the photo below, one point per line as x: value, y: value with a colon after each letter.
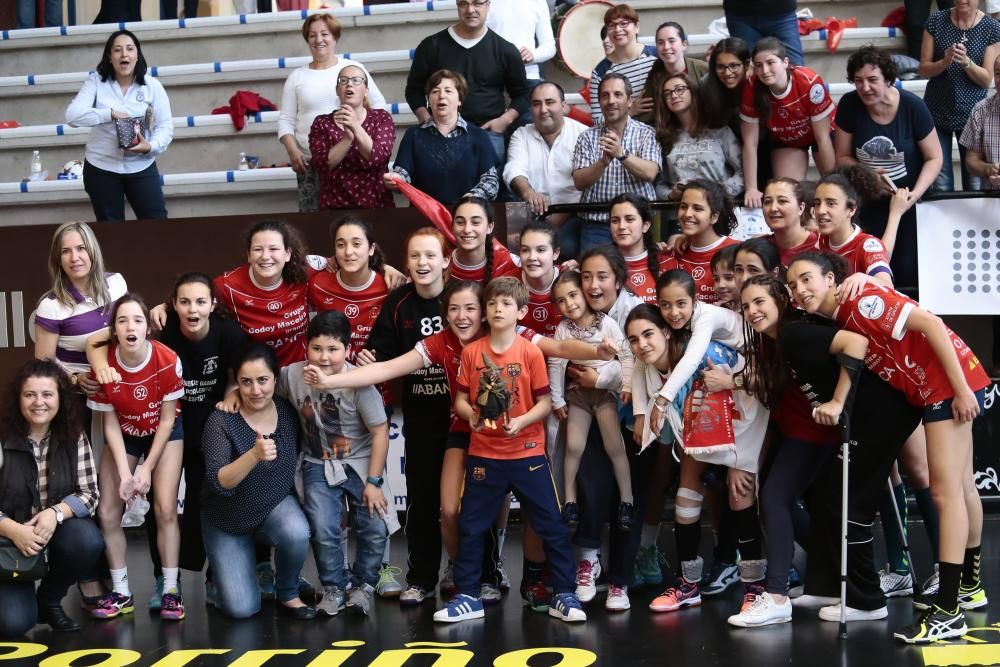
x: 345, y: 442
x: 509, y: 380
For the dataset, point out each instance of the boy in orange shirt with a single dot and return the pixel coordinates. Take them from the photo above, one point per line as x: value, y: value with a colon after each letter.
x: 509, y: 379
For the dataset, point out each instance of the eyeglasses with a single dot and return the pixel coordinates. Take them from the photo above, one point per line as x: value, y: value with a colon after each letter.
x: 478, y: 4
x: 353, y: 80
x: 731, y: 67
x: 676, y: 92
x: 619, y: 25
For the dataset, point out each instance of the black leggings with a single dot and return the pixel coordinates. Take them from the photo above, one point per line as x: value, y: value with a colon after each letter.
x: 797, y: 464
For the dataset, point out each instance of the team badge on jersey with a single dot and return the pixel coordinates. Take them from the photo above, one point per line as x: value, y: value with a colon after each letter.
x: 540, y: 314
x: 274, y: 306
x: 513, y: 370
x: 698, y: 273
x: 817, y: 93
x: 352, y: 310
x: 140, y: 393
x: 478, y: 473
x: 873, y: 245
x: 871, y: 307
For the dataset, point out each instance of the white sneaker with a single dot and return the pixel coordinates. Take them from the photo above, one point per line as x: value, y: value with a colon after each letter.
x: 930, y: 586
x: 587, y: 572
x: 763, y: 611
x: 832, y: 613
x: 895, y: 585
x: 813, y: 601
x: 490, y: 594
x: 617, y: 598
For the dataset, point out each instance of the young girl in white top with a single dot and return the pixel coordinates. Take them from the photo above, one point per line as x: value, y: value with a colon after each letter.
x: 576, y: 405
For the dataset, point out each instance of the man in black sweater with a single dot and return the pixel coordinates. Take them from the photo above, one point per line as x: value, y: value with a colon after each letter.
x: 490, y: 64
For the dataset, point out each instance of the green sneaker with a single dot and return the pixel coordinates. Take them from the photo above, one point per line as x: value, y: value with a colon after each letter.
x: 156, y: 599
x: 388, y: 586
x: 647, y: 565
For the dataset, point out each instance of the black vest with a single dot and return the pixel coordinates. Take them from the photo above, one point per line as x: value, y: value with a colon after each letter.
x: 19, y: 476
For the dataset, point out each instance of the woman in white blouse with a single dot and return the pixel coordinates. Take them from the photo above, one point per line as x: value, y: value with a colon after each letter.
x: 120, y: 90
x: 310, y: 91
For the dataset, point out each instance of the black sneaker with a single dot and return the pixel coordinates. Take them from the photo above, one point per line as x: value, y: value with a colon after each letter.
x: 934, y: 624
x: 571, y: 514
x: 625, y: 511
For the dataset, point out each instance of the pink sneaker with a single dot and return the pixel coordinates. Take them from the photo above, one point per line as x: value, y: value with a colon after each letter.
x: 684, y: 594
x: 112, y: 605
x: 173, y: 606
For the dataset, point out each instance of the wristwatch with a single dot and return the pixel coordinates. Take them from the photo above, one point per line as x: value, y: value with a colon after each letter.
x: 60, y: 517
x: 376, y: 481
x: 738, y: 381
x: 623, y: 156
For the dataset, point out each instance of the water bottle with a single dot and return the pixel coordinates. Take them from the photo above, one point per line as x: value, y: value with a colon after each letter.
x: 36, y: 166
x: 244, y: 165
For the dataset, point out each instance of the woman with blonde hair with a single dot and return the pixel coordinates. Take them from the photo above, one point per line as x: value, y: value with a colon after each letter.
x: 352, y: 145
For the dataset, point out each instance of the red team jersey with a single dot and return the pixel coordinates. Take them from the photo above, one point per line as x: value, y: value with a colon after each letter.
x: 864, y: 253
x: 445, y: 350
x: 811, y: 243
x: 792, y: 114
x: 698, y: 262
x: 504, y: 264
x: 137, y: 399
x: 277, y: 317
x: 903, y: 358
x: 640, y: 278
x: 361, y: 305
x: 543, y: 313
x: 523, y: 371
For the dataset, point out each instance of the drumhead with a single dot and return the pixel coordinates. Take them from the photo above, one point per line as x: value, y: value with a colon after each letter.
x: 579, y: 37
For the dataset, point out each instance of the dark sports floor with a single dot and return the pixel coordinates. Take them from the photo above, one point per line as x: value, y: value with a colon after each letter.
x: 698, y: 637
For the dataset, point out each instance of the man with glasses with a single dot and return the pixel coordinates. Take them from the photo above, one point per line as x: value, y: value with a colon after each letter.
x: 629, y: 57
x: 618, y: 155
x: 490, y: 64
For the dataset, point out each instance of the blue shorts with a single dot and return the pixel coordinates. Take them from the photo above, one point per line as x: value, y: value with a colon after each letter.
x: 941, y: 411
x: 139, y: 445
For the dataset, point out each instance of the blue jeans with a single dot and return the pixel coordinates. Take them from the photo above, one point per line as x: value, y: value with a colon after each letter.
x: 26, y: 13
x: 945, y: 182
x: 325, y: 508
x: 74, y: 552
x: 751, y: 28
x: 233, y: 564
x: 594, y: 233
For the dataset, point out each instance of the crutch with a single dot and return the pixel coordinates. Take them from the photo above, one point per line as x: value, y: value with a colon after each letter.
x: 904, y: 538
x: 853, y: 368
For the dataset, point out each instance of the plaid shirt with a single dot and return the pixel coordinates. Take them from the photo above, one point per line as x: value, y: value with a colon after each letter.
x: 639, y: 140
x: 982, y: 133
x: 489, y: 183
x: 84, y: 501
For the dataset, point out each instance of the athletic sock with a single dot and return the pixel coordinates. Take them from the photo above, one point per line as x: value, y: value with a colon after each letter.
x: 171, y: 575
x: 890, y: 527
x: 532, y: 571
x: 748, y: 533
x: 950, y: 575
x: 649, y: 535
x: 119, y: 582
x: 929, y: 513
x: 589, y: 554
x: 970, y: 568
x: 501, y: 534
x: 687, y: 537
x: 726, y: 546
